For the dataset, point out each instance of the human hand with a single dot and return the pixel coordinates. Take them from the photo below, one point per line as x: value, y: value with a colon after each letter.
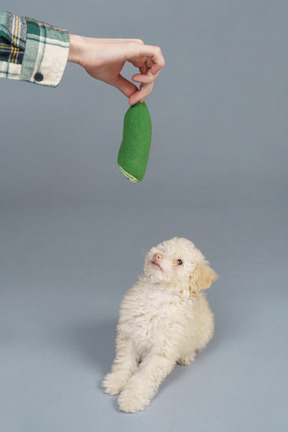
x: 104, y: 60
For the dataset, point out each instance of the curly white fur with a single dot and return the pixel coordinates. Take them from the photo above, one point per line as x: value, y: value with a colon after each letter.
x: 164, y: 319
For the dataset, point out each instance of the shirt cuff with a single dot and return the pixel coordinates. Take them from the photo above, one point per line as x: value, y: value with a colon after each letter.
x: 45, y: 55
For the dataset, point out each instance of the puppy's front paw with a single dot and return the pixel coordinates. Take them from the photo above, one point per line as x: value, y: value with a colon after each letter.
x: 130, y: 402
x: 187, y: 360
x: 113, y: 383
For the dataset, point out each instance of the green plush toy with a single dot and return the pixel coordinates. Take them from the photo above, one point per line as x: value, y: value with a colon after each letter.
x: 135, y: 146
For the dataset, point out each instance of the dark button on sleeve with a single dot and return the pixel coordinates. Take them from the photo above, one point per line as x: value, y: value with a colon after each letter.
x: 38, y: 77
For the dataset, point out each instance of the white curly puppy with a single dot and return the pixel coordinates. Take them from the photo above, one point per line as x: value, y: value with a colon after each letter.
x: 164, y: 319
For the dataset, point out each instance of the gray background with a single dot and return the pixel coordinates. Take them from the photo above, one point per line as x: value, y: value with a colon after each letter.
x: 74, y: 231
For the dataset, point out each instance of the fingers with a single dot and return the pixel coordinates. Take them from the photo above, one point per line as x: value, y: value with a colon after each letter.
x: 125, y: 86
x: 141, y: 94
x: 131, y: 91
x: 147, y: 78
x: 154, y: 55
x: 149, y: 67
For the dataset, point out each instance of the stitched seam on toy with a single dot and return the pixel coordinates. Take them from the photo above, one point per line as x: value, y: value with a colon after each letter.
x: 129, y: 176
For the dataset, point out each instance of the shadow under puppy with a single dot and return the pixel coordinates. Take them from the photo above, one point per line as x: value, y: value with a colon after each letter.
x: 164, y: 319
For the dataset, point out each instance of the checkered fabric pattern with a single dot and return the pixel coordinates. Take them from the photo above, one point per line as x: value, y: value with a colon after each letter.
x: 32, y: 51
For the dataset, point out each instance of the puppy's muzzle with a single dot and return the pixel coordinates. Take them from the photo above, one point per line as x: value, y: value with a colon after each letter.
x: 156, y: 261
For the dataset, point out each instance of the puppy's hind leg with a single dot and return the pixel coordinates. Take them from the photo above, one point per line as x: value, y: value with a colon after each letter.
x: 124, y: 365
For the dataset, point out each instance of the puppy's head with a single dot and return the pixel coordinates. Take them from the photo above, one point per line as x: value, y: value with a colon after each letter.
x: 180, y: 263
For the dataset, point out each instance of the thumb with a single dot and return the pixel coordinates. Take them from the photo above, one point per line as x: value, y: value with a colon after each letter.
x: 125, y: 86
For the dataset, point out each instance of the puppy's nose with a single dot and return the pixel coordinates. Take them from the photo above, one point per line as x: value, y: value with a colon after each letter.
x: 157, y: 256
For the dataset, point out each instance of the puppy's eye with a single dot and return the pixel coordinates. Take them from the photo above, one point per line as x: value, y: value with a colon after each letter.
x: 179, y: 262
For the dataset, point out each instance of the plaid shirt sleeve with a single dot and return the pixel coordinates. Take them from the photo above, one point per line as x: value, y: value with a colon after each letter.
x: 31, y: 50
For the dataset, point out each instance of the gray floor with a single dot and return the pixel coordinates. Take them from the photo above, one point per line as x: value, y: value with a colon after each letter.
x: 63, y: 273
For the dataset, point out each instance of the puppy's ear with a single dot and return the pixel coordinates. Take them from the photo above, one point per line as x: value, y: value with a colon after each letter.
x: 202, y: 278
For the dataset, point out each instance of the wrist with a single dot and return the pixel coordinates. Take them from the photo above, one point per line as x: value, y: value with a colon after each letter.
x: 75, y: 48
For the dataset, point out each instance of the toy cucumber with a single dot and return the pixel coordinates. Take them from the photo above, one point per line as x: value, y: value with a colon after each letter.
x: 135, y: 146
